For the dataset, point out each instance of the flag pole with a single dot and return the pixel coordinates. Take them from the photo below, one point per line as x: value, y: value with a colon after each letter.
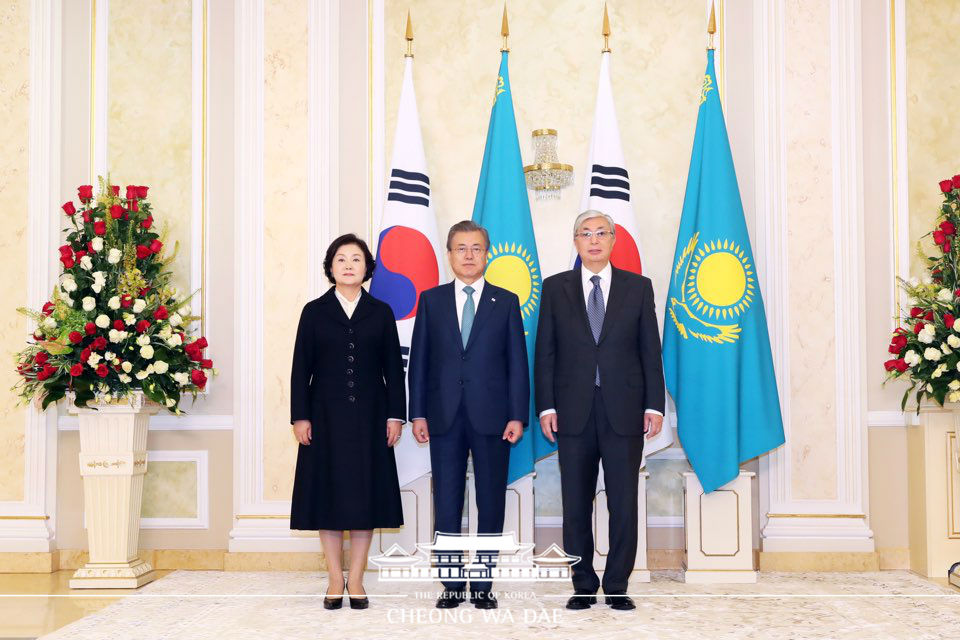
x: 409, y: 36
x: 505, y: 30
x: 712, y: 25
x: 606, y: 30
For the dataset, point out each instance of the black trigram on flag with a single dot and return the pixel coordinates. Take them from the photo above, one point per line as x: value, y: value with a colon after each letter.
x: 609, y: 182
x: 409, y: 187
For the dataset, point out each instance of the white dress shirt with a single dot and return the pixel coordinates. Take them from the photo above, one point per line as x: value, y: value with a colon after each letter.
x: 349, y: 306
x: 461, y: 296
x: 606, y: 274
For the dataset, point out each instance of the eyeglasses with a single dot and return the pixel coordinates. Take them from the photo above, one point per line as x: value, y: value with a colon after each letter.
x: 476, y: 251
x: 599, y: 235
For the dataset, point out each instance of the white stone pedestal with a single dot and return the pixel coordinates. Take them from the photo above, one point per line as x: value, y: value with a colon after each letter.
x: 718, y: 536
x: 113, y: 461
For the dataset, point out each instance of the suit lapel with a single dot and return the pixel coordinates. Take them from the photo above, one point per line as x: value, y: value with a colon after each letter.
x: 484, y: 309
x: 448, y: 310
x: 364, y: 306
x: 574, y: 288
x: 333, y: 309
x: 614, y: 303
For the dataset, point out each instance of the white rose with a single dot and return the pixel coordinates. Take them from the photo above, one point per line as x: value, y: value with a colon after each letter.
x: 929, y: 388
x: 67, y: 283
x: 102, y: 321
x: 116, y: 336
x: 932, y: 354
x: 140, y: 375
x: 143, y: 340
x: 109, y: 356
x: 160, y: 366
x: 165, y: 332
x: 926, y: 334
x: 146, y: 351
x: 86, y: 263
x: 99, y: 279
x: 945, y: 295
x: 170, y: 402
x: 954, y: 397
x: 954, y: 385
x: 938, y: 371
x: 150, y: 369
x: 49, y: 323
x: 114, y: 255
x: 126, y: 366
x: 175, y: 320
x: 945, y: 350
x: 139, y: 305
x: 124, y: 378
x: 89, y: 303
x: 181, y: 377
x: 97, y: 244
x: 94, y: 359
x: 175, y: 340
x: 953, y: 340
x: 114, y: 303
x: 129, y: 318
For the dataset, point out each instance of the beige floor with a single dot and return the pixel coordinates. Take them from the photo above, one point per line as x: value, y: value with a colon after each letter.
x: 264, y: 605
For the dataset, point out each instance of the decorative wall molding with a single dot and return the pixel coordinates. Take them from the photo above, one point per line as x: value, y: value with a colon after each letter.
x: 376, y: 134
x: 168, y: 422
x: 30, y: 524
x: 899, y: 185
x: 202, y: 520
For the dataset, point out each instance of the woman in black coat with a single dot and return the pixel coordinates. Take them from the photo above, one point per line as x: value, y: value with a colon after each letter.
x: 347, y: 405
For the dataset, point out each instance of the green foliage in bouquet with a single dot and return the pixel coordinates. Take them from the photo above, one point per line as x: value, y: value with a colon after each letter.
x: 926, y: 345
x: 114, y: 324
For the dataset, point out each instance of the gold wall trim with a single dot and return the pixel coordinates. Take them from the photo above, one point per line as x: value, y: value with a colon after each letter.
x: 816, y: 515
x: 720, y: 555
x: 8, y: 517
x: 894, y: 164
x: 271, y: 516
x: 952, y: 532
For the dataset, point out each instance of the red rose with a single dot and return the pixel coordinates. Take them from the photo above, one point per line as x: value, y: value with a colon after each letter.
x: 946, y: 247
x: 67, y: 262
x: 899, y: 364
x: 47, y: 308
x: 143, y: 252
x: 899, y: 341
x: 85, y: 192
x: 916, y: 312
x: 100, y: 227
x: 202, y: 343
x: 69, y: 209
x: 948, y: 227
x: 142, y: 191
x: 956, y: 181
x: 116, y: 212
x: 66, y: 250
x: 131, y: 192
x: 146, y: 222
x: 134, y: 206
x: 76, y: 370
x: 87, y: 217
x: 75, y: 337
x: 143, y: 291
x: 946, y: 186
x: 102, y: 370
x: 90, y: 328
x: 160, y: 313
x: 48, y: 370
x: 79, y: 254
x: 155, y: 246
x: 118, y: 324
x: 206, y: 364
x: 198, y: 378
x: 928, y: 316
x: 142, y: 326
x: 85, y: 354
x: 125, y: 301
x: 90, y: 247
x: 917, y: 328
x: 115, y: 189
x: 99, y: 343
x: 193, y: 351
x: 939, y: 237
x: 948, y: 320
x: 41, y: 357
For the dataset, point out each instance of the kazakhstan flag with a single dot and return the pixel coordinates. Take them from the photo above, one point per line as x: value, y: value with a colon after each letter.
x: 503, y: 208
x: 716, y: 351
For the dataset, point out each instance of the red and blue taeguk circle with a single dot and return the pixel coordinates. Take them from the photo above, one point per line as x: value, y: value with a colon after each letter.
x: 406, y: 266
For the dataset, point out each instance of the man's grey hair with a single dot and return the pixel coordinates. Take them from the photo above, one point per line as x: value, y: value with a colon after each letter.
x: 466, y: 226
x: 593, y: 213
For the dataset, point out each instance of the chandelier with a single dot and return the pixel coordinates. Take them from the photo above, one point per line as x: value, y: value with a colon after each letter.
x: 547, y: 175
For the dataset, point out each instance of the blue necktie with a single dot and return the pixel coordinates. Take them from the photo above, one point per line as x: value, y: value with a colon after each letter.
x: 595, y: 313
x: 469, y: 311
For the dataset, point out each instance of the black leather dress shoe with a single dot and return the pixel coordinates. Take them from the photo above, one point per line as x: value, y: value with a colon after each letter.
x: 581, y: 599
x: 483, y: 600
x: 620, y: 601
x: 449, y: 599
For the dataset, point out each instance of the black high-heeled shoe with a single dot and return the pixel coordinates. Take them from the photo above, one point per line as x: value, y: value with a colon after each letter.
x: 335, y: 602
x: 359, y: 602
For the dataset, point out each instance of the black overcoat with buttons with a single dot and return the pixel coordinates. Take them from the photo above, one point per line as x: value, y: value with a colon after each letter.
x: 347, y: 379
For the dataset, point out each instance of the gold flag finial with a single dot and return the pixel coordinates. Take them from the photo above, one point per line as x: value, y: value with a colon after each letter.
x: 606, y: 29
x: 505, y: 29
x: 712, y: 25
x: 409, y: 36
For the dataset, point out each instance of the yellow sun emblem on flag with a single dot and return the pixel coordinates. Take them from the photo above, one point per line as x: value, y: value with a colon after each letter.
x: 717, y: 286
x: 512, y: 267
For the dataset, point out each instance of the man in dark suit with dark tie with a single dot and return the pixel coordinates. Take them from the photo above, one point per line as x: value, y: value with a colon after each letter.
x: 469, y: 393
x: 598, y: 376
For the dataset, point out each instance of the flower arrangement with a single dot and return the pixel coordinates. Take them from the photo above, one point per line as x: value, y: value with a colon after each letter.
x: 114, y: 324
x: 926, y: 345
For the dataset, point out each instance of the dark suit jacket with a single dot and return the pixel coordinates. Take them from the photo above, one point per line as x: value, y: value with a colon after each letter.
x: 628, y: 353
x: 492, y: 373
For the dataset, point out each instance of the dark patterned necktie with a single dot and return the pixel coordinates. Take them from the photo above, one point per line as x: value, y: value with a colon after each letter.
x: 595, y: 311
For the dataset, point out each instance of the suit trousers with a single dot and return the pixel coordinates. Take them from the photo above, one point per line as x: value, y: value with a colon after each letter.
x: 448, y: 462
x: 579, y: 457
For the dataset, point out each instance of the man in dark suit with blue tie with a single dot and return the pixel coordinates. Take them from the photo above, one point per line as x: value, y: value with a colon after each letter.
x: 469, y: 393
x: 599, y: 380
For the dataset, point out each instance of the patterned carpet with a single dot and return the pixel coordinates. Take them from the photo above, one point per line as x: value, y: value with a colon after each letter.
x: 198, y: 605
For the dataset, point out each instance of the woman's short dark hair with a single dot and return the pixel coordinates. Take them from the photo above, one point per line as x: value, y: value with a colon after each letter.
x: 339, y: 243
